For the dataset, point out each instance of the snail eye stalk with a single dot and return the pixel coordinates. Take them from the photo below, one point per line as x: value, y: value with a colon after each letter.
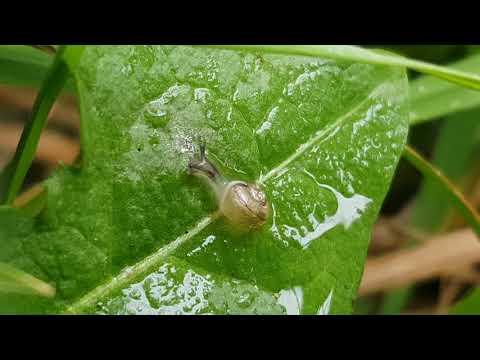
x: 203, y: 167
x: 202, y: 151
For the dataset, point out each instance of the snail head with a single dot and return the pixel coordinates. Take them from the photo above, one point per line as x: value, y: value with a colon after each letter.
x: 202, y: 167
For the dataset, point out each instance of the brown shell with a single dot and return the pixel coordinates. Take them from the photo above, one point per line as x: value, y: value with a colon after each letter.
x: 244, y: 205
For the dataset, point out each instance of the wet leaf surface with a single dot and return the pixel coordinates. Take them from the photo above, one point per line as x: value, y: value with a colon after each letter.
x: 131, y: 232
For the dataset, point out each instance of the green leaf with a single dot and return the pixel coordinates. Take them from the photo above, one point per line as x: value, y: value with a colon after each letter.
x: 376, y: 57
x: 11, y: 178
x: 23, y: 65
x: 14, y: 228
x: 131, y: 232
x: 433, y: 98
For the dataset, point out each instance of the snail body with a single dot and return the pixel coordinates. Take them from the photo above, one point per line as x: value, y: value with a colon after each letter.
x: 244, y: 205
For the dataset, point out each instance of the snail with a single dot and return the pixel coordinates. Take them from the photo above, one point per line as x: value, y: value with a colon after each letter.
x: 243, y: 204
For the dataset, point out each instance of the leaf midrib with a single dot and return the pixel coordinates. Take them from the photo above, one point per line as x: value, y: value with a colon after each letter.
x: 142, y: 266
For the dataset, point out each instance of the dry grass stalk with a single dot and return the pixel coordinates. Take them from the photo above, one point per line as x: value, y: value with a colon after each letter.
x: 52, y: 148
x: 442, y: 255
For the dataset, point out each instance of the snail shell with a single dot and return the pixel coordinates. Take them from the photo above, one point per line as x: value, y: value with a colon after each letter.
x: 244, y: 205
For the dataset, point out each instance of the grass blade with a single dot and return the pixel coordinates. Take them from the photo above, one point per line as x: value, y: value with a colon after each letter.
x: 23, y: 65
x: 13, y: 175
x: 432, y: 98
x: 468, y: 212
x: 18, y: 281
x: 358, y: 54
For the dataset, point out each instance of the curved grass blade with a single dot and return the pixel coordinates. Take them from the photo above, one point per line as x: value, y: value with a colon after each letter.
x: 18, y: 281
x: 13, y: 175
x: 358, y: 54
x: 468, y: 212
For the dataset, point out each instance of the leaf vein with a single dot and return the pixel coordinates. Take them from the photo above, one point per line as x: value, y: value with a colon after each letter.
x: 129, y: 273
x: 321, y: 134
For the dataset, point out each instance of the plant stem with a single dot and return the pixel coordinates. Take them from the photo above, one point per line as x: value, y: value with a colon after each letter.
x: 358, y: 54
x: 468, y: 212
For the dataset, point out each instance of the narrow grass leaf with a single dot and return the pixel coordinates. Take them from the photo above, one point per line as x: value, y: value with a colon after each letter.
x: 468, y: 212
x: 11, y: 179
x: 358, y: 54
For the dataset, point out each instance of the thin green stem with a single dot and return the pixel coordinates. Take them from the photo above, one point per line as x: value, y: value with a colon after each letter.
x: 358, y: 54
x: 468, y: 212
